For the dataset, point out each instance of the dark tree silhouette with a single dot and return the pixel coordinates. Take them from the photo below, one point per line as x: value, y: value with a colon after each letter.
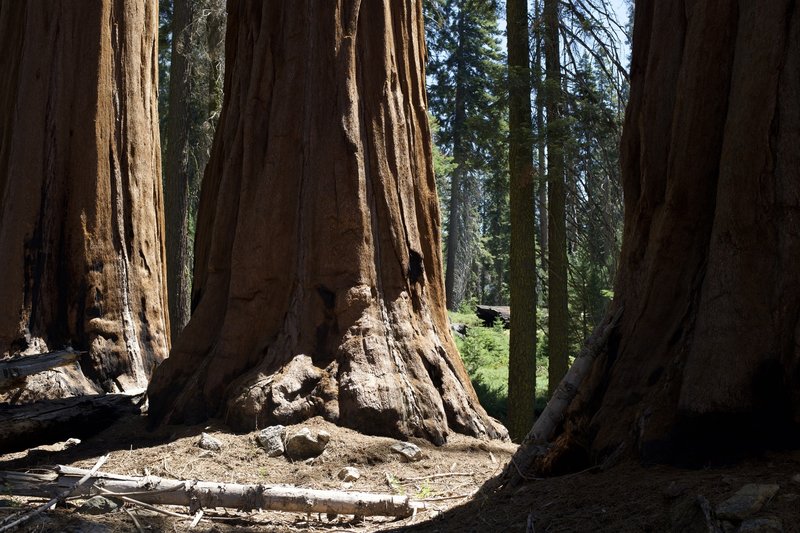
x: 705, y: 357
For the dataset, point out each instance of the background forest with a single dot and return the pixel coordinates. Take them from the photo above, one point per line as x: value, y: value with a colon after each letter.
x: 578, y: 203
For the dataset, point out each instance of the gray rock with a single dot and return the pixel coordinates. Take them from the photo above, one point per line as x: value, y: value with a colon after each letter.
x: 460, y: 329
x: 70, y: 443
x: 98, y: 505
x: 304, y: 444
x: 693, y: 514
x: 410, y: 452
x: 272, y: 440
x: 349, y: 474
x: 207, y: 442
x: 674, y: 489
x: 747, y: 501
x: 761, y: 525
x: 796, y: 479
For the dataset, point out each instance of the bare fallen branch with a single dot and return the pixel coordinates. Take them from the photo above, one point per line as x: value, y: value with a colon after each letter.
x: 63, y: 495
x: 204, y: 494
x: 434, y: 476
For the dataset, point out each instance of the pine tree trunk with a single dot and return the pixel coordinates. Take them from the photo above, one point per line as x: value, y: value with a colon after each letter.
x: 706, y: 357
x: 178, y: 179
x: 80, y: 191
x: 318, y: 286
x: 455, y: 264
x: 522, y: 349
x: 541, y: 137
x: 557, y: 318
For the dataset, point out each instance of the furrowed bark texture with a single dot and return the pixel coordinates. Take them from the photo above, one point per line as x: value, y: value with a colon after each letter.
x: 80, y: 191
x: 557, y: 262
x: 318, y: 279
x: 179, y: 175
x: 522, y: 344
x: 706, y: 354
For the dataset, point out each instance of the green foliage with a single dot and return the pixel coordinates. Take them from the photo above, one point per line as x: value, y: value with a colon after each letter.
x: 485, y: 355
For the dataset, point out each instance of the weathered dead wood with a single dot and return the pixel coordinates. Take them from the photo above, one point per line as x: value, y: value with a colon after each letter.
x: 205, y: 494
x: 50, y: 421
x: 63, y: 495
x: 14, y: 371
x: 545, y: 426
x: 535, y: 443
x: 490, y: 313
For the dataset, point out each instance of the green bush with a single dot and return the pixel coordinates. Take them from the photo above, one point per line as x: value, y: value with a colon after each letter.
x: 485, y: 355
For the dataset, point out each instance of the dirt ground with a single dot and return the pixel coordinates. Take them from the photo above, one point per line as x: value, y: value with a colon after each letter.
x: 628, y: 497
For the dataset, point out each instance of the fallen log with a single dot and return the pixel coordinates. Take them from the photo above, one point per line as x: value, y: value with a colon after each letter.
x: 14, y: 371
x: 490, y: 313
x: 204, y: 494
x: 48, y: 421
x: 59, y: 497
x: 544, y: 429
x: 545, y: 426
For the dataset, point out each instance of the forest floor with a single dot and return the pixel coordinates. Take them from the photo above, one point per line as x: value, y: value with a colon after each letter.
x: 628, y: 497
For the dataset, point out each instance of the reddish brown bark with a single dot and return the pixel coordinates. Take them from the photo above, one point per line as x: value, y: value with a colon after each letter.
x: 318, y: 279
x: 706, y: 354
x: 705, y: 359
x: 80, y: 191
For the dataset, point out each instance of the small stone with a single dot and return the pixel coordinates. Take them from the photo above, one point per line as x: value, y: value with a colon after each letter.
x: 69, y: 443
x: 304, y: 444
x: 349, y: 474
x: 98, y: 505
x: 747, y: 501
x: 459, y: 329
x: 674, y: 489
x: 796, y: 479
x: 410, y: 452
x: 272, y: 440
x: 207, y: 442
x: 761, y: 525
x: 692, y: 514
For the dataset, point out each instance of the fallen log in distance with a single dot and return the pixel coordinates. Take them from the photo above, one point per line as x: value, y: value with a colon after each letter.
x: 48, y: 421
x: 205, y: 494
x: 490, y: 313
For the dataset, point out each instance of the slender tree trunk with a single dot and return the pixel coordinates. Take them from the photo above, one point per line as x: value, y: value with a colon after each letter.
x: 557, y: 318
x: 454, y: 285
x: 81, y: 229
x: 705, y: 359
x: 541, y: 170
x: 522, y: 352
x: 178, y: 179
x: 318, y: 283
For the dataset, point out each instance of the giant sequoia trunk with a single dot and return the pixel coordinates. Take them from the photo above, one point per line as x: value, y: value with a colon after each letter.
x: 706, y: 354
x: 80, y: 191
x: 318, y: 277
